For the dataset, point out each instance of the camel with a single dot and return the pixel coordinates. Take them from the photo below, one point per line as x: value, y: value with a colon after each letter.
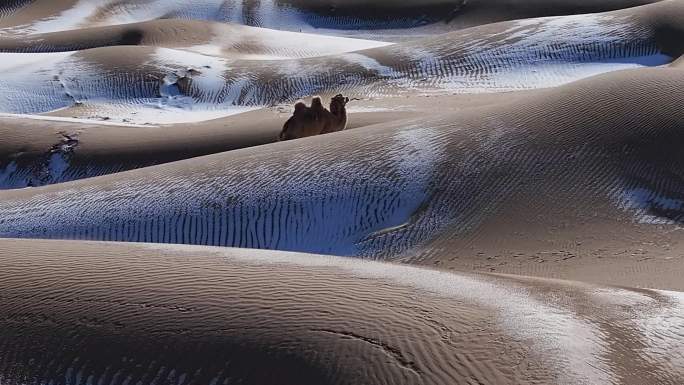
x: 316, y: 120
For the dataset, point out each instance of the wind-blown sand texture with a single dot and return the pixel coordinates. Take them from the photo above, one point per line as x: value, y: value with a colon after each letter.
x: 419, y: 188
x: 175, y: 314
x: 387, y: 18
x: 487, y: 141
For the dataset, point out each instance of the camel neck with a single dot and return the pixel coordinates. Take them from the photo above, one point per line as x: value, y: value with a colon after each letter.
x: 339, y: 111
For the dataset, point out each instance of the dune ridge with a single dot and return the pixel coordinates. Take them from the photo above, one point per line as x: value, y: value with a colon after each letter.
x: 434, y: 182
x: 30, y: 152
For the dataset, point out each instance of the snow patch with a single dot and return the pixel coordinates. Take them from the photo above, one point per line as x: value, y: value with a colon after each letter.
x: 643, y: 202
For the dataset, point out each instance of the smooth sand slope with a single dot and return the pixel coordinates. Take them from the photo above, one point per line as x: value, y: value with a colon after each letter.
x: 381, y: 19
x: 130, y: 313
x: 593, y: 168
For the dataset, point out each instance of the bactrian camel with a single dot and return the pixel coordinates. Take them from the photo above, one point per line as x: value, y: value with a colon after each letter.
x: 316, y: 120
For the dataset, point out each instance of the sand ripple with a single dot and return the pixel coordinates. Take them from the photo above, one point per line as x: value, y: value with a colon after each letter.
x: 186, y: 315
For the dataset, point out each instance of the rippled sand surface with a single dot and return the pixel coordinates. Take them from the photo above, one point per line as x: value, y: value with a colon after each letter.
x: 505, y: 206
x: 153, y: 313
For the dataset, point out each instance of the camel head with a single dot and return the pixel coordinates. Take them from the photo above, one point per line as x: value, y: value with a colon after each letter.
x: 337, y: 103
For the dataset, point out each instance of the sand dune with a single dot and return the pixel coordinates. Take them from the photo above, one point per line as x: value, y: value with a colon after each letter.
x: 31, y: 152
x: 38, y: 150
x: 574, y: 160
x: 205, y: 315
x: 375, y: 19
x: 168, y: 98
x: 488, y: 142
x: 144, y: 84
x: 208, y: 38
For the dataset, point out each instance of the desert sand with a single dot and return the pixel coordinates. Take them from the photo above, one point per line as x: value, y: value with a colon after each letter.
x: 180, y: 314
x: 386, y: 18
x: 505, y: 204
x: 541, y: 174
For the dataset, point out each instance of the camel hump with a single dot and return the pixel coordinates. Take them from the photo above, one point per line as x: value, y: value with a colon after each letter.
x: 299, y: 108
x: 316, y: 103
